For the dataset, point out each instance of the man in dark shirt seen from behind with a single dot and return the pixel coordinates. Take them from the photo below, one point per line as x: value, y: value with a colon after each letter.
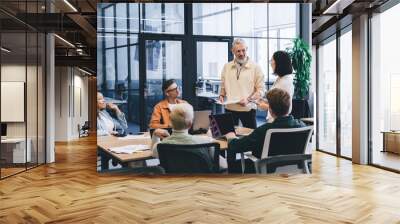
x: 279, y: 104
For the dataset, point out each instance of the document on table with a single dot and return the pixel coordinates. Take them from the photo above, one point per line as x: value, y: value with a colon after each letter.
x: 133, y: 137
x: 227, y: 102
x: 128, y: 149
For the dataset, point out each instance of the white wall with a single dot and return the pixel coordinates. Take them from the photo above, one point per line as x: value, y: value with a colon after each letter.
x: 33, y: 126
x: 71, y: 102
x: 14, y: 72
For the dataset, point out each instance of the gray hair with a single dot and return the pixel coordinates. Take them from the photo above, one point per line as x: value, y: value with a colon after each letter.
x: 181, y: 116
x: 238, y: 41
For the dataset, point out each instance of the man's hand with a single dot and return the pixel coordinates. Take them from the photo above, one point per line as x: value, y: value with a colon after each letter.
x: 221, y: 99
x: 230, y: 135
x: 114, y: 108
x: 161, y: 133
x: 243, y: 102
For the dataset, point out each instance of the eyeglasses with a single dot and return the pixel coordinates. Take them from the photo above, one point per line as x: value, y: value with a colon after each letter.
x: 178, y: 88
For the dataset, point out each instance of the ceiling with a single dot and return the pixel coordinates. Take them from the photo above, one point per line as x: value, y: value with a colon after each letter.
x: 75, y: 21
x: 328, y: 15
x: 72, y: 20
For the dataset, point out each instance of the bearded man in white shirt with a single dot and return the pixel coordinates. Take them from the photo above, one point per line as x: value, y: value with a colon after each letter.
x: 242, y: 81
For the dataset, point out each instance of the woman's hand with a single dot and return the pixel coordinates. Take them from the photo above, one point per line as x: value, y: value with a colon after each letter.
x: 263, y: 105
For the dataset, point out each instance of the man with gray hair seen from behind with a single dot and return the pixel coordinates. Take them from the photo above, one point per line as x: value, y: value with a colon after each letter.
x: 242, y: 81
x: 181, y: 120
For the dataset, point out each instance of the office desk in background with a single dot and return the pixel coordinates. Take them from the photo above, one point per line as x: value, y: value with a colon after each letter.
x: 13, y: 150
x: 114, y: 101
x: 211, y: 97
x: 105, y: 143
x: 391, y: 141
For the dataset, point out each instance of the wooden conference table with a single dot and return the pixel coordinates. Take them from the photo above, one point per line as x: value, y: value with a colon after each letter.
x: 105, y: 143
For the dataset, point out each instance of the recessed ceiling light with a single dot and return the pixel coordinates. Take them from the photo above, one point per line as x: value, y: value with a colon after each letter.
x: 70, y: 5
x: 65, y: 41
x: 5, y: 50
x: 84, y: 71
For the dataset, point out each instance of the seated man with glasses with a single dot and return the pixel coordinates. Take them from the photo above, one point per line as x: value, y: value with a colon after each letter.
x: 161, y: 113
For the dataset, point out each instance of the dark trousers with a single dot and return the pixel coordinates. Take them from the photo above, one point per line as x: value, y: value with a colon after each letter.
x: 248, y: 118
x: 235, y: 166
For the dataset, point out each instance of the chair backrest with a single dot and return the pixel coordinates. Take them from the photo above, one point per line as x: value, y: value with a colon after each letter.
x: 286, y: 141
x: 177, y: 158
x: 86, y: 125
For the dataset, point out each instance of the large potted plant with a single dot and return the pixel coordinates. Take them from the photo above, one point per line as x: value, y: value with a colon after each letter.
x: 301, y: 61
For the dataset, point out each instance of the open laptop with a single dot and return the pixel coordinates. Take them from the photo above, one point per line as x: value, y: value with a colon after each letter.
x: 201, y: 122
x: 221, y: 124
x: 3, y: 131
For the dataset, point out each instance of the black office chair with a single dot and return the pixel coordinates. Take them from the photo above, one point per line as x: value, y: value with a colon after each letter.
x: 283, y: 147
x: 176, y: 158
x: 84, y: 129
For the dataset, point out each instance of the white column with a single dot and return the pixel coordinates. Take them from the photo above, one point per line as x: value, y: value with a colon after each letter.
x: 50, y: 98
x: 360, y: 90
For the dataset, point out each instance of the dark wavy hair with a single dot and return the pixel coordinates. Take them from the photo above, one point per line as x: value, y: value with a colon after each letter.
x: 283, y: 63
x: 167, y: 84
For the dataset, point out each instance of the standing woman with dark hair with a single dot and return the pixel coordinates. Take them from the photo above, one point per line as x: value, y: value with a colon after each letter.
x: 160, y: 117
x: 281, y: 65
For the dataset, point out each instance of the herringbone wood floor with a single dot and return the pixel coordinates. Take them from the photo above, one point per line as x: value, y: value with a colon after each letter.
x: 71, y: 191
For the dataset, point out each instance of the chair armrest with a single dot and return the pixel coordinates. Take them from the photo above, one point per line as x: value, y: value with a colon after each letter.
x: 251, y: 157
x: 286, y: 158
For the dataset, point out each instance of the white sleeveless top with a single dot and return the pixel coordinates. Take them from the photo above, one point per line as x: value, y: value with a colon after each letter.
x: 285, y: 83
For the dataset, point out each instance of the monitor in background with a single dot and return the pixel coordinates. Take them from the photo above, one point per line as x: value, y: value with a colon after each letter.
x: 221, y: 124
x: 3, y: 130
x: 201, y: 122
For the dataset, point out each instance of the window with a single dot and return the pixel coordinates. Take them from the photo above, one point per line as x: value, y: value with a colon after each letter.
x: 209, y: 66
x: 162, y: 18
x: 327, y: 96
x: 385, y: 85
x: 346, y: 94
x: 160, y: 26
x: 22, y: 64
x: 212, y: 19
x: 250, y: 26
x: 283, y: 19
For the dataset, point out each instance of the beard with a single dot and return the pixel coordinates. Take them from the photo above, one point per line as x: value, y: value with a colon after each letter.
x: 241, y: 61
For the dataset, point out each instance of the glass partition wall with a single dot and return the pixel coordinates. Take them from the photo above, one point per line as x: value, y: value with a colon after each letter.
x: 385, y: 90
x: 327, y: 80
x: 22, y: 88
x: 142, y: 44
x: 334, y: 95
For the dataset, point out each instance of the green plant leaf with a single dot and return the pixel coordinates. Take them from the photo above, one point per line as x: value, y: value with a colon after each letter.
x: 301, y: 61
